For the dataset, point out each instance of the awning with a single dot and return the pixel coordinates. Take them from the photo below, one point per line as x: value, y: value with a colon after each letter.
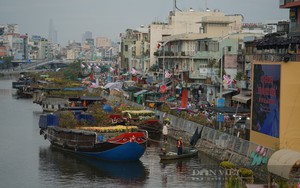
x: 113, y: 85
x: 140, y: 92
x: 282, y: 161
x: 241, y: 98
x: 227, y: 92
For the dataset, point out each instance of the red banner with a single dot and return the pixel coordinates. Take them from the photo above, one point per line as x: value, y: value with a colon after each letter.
x: 91, y: 77
x: 184, y: 98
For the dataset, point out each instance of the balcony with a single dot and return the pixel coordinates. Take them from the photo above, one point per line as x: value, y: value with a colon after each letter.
x: 171, y: 54
x: 289, y: 3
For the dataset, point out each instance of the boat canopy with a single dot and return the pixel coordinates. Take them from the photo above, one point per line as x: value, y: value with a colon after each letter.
x: 283, y: 161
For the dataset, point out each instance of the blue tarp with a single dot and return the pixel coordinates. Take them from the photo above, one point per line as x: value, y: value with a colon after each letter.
x: 107, y: 108
x: 84, y: 117
x: 48, y: 120
x: 74, y: 88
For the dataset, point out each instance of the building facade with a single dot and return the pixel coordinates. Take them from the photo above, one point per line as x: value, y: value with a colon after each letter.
x: 208, y: 23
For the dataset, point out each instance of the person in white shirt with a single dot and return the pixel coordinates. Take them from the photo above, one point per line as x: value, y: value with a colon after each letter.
x: 165, y: 132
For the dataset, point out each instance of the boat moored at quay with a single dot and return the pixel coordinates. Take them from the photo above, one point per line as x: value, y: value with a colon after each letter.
x: 111, y: 143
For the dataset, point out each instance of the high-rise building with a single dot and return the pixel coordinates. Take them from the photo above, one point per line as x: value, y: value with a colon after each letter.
x: 52, y: 35
x: 85, y: 36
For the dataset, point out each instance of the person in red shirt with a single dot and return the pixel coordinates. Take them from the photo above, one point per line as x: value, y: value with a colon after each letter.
x: 179, y: 146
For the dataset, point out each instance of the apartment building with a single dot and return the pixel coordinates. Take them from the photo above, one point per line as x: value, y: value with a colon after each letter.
x: 103, y: 42
x: 206, y: 23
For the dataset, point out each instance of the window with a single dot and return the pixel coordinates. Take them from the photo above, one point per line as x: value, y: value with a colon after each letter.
x: 203, y: 46
x: 229, y: 48
x: 126, y: 48
x: 213, y: 46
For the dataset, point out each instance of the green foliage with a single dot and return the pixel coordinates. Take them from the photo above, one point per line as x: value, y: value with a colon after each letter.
x: 6, y: 62
x: 67, y: 119
x: 212, y: 63
x: 104, y: 68
x: 240, y: 76
x: 281, y: 182
x: 227, y: 164
x: 73, y: 71
x: 101, y: 117
x: 153, y: 68
x: 232, y: 182
x: 124, y: 108
x: 165, y: 108
x: 169, y: 53
x: 198, y: 118
x: 65, y: 94
x: 245, y: 172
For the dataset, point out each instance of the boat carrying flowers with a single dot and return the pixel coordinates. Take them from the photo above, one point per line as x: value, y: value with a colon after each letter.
x: 113, y: 143
x: 110, y: 129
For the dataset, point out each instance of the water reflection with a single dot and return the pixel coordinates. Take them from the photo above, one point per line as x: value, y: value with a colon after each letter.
x: 199, y: 171
x: 65, y: 167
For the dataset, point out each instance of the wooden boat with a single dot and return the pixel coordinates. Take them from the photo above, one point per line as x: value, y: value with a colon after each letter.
x: 172, y: 155
x: 115, y: 143
x: 187, y: 152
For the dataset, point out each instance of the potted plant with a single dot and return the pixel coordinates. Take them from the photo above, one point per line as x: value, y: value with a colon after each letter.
x: 241, y: 77
x: 246, y: 174
x: 227, y: 165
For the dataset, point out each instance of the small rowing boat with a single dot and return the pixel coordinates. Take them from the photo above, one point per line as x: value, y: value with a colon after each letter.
x: 172, y: 155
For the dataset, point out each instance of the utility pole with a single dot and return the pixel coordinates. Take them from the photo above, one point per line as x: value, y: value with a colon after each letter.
x: 142, y: 56
x: 131, y: 59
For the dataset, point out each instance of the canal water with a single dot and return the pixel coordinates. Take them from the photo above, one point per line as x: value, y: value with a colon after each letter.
x: 27, y: 160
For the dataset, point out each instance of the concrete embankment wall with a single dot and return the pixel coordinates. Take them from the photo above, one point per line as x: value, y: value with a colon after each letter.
x: 216, y: 144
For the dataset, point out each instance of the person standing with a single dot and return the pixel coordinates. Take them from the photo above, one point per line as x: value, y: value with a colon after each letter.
x: 179, y: 146
x: 165, y: 132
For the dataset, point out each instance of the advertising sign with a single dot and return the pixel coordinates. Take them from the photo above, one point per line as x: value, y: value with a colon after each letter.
x: 266, y: 99
x: 220, y: 118
x: 221, y: 102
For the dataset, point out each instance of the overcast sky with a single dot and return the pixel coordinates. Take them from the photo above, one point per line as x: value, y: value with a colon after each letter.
x: 109, y: 18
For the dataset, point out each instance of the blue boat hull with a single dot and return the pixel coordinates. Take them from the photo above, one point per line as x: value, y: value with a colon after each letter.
x: 129, y: 146
x: 130, y: 151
